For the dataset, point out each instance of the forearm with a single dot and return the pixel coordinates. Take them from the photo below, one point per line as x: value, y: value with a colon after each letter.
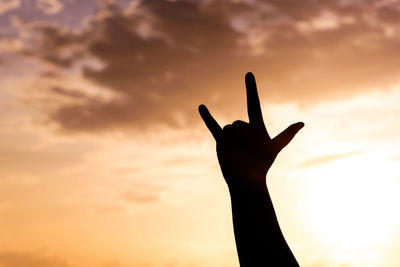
x: 259, y: 240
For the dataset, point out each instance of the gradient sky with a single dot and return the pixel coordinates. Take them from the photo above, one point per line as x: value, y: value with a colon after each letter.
x: 105, y: 162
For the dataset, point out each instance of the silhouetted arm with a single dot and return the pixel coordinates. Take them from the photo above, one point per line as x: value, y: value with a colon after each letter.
x: 245, y: 153
x: 259, y: 239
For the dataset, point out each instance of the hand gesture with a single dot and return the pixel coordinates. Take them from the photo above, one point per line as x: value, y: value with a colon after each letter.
x: 245, y: 150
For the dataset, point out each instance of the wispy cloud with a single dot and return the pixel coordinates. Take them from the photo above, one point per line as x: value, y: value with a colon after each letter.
x: 327, y: 159
x: 29, y: 260
x: 143, y: 194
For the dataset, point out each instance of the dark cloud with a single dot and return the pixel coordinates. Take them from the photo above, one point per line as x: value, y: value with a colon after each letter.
x: 163, y: 58
x: 29, y: 260
x: 57, y: 45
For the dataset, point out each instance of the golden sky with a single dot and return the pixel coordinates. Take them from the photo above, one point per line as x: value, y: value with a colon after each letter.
x: 105, y: 162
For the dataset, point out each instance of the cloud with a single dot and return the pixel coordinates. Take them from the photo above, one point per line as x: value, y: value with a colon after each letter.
x: 50, y: 7
x: 57, y: 46
x: 143, y: 194
x: 163, y: 58
x: 327, y: 159
x: 328, y: 263
x: 29, y: 260
x: 11, y: 45
x: 8, y: 5
x: 140, y: 198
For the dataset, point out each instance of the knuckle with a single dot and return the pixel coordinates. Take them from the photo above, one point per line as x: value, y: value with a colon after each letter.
x: 239, y: 123
x: 227, y: 127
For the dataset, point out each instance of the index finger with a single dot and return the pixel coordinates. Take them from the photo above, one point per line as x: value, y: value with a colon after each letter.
x: 253, y: 102
x: 210, y: 122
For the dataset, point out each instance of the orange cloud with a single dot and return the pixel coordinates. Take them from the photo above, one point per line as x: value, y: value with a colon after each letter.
x: 29, y: 260
x: 162, y: 58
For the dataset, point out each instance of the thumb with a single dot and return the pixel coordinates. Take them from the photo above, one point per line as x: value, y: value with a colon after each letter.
x: 282, y: 139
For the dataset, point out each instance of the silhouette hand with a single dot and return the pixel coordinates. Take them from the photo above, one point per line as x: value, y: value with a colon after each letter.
x: 245, y: 150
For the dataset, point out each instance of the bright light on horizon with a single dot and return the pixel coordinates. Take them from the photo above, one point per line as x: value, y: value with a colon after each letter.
x: 352, y: 207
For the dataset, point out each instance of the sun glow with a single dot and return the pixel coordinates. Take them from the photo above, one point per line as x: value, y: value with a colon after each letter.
x: 351, y: 206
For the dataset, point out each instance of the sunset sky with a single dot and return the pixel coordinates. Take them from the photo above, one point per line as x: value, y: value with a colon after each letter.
x: 105, y: 161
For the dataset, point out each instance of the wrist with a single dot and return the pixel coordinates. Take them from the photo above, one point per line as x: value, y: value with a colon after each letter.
x: 252, y: 187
